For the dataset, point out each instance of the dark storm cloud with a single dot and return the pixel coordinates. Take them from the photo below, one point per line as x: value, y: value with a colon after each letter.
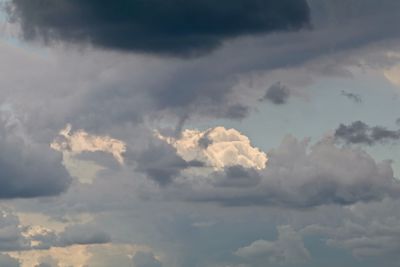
x: 277, y: 94
x: 359, y: 132
x: 28, y: 169
x: 174, y: 27
x: 353, y: 97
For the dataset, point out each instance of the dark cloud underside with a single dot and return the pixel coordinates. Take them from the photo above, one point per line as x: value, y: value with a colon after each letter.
x: 28, y: 169
x: 178, y: 27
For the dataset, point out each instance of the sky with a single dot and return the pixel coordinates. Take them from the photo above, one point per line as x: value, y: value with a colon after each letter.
x: 199, y: 133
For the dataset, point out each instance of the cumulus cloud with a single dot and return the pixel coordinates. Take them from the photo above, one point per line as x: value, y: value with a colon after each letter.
x: 287, y: 249
x: 176, y: 28
x: 359, y: 132
x: 298, y: 176
x: 81, y: 141
x: 218, y: 148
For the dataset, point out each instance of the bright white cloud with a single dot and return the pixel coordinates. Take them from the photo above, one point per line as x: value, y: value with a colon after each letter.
x: 218, y: 148
x: 81, y: 141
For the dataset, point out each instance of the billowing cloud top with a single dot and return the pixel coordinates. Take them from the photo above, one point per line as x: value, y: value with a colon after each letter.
x: 80, y: 141
x: 218, y: 147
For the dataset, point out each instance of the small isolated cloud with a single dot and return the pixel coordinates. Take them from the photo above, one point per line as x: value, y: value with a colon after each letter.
x: 176, y: 27
x: 81, y: 141
x: 218, y: 148
x: 287, y: 249
x: 359, y: 132
x: 277, y: 94
x: 356, y: 98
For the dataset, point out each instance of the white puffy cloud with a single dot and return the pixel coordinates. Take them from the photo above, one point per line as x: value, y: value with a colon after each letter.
x: 81, y: 141
x: 287, y: 249
x: 218, y: 148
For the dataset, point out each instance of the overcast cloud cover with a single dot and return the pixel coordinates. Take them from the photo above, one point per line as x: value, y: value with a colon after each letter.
x: 242, y: 133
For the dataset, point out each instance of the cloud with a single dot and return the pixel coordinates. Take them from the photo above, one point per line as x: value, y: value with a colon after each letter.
x: 359, y: 132
x: 7, y: 261
x: 160, y: 162
x: 297, y: 176
x: 81, y: 141
x: 218, y: 148
x: 178, y: 28
x: 82, y: 234
x: 48, y: 262
x: 145, y: 259
x: 367, y: 231
x: 376, y: 238
x: 392, y: 74
x: 11, y: 234
x: 287, y: 249
x: 353, y: 97
x: 28, y: 169
x: 277, y: 94
x: 17, y: 237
